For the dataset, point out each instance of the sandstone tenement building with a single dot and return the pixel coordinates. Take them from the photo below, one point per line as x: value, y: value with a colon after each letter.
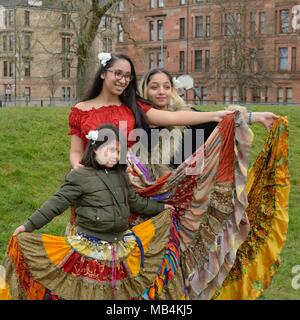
x: 190, y: 37
x: 37, y: 52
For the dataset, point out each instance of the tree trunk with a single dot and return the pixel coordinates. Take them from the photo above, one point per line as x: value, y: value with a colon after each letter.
x: 85, y: 43
x: 81, y: 76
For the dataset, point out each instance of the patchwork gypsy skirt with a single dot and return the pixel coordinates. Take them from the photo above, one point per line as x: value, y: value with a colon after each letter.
x: 225, y: 217
x: 143, y: 265
x: 268, y: 187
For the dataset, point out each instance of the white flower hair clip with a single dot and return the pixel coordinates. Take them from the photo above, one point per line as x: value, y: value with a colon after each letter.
x: 92, y: 135
x: 176, y: 83
x: 104, y: 57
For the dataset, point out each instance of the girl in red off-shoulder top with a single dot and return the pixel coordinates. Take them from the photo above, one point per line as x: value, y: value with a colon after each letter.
x: 82, y: 121
x: 113, y: 99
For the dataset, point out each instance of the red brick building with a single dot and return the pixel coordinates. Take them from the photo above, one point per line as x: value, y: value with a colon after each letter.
x: 190, y: 37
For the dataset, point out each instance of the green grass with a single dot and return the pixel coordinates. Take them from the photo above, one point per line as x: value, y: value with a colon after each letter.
x: 34, y: 159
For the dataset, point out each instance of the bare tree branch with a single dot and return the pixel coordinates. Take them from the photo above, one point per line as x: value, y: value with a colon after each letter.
x: 237, y: 60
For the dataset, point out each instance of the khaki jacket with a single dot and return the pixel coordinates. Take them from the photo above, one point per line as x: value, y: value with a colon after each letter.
x: 103, y: 200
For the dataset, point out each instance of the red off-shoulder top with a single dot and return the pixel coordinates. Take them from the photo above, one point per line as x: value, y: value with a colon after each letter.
x: 82, y: 121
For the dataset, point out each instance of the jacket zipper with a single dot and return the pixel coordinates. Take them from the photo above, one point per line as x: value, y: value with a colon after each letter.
x: 114, y: 210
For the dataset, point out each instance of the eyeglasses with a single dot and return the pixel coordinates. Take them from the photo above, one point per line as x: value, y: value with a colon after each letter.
x: 119, y: 75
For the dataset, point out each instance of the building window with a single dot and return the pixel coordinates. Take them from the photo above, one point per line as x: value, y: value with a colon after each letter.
x: 26, y: 18
x: 260, y: 95
x: 4, y: 39
x: 229, y: 19
x: 203, y: 92
x: 8, y: 69
x: 120, y: 32
x: 262, y: 23
x: 264, y: 95
x: 66, y: 69
x: 66, y: 44
x: 283, y: 59
x: 294, y: 59
x: 160, y: 3
x: 230, y: 95
x: 252, y: 23
x: 289, y: 95
x: 9, y: 18
x: 252, y: 60
x: 159, y: 59
x: 65, y: 21
x: 227, y: 95
x: 181, y: 61
x: 285, y: 95
x: 151, y: 30
x: 66, y: 93
x: 107, y: 22
x: 107, y: 44
x: 260, y: 59
x: 284, y: 21
x: 153, y: 3
x: 181, y: 28
x: 155, y: 59
x: 27, y: 94
x: 26, y: 41
x: 239, y: 24
x: 280, y: 95
x: 196, y: 95
x: 198, y: 60
x: 27, y: 68
x: 199, y: 27
x: 151, y: 60
x: 182, y: 2
x: 11, y: 42
x: 160, y: 29
x: 256, y: 95
x: 207, y: 60
x: 121, y: 5
x: 207, y: 26
x: 156, y: 3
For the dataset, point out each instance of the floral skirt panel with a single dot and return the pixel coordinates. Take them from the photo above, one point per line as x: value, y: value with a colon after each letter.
x: 143, y: 265
x: 208, y: 191
x: 268, y: 188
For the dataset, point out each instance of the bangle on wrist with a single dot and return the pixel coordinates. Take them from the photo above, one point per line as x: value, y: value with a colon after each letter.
x: 250, y: 118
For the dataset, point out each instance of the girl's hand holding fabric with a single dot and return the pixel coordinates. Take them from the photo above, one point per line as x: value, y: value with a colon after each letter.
x: 168, y: 206
x: 19, y: 230
x: 265, y: 118
x: 219, y: 115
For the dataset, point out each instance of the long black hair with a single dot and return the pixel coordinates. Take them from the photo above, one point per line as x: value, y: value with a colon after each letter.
x: 106, y: 132
x: 129, y: 96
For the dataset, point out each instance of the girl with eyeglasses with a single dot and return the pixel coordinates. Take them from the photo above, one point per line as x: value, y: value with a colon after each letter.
x: 113, y: 97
